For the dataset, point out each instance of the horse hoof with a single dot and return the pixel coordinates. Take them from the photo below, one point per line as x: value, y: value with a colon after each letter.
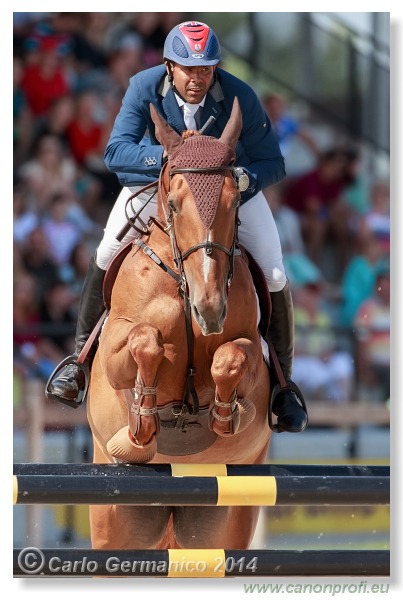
x: 247, y: 412
x: 122, y: 447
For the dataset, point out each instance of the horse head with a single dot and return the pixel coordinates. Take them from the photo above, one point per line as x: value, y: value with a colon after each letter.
x: 199, y: 200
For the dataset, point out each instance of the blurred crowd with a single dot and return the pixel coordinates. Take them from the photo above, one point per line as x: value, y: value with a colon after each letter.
x: 334, y: 225
x: 71, y: 71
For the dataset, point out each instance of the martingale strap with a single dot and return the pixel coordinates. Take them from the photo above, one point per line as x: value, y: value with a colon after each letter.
x: 191, y: 371
x: 154, y: 257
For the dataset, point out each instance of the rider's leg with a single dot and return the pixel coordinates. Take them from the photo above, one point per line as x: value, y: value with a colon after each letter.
x: 258, y: 233
x: 67, y: 385
x: 70, y: 380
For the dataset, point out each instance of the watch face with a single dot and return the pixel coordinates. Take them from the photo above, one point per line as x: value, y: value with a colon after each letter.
x: 243, y: 182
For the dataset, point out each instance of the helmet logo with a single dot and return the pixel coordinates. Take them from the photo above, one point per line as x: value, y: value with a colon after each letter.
x: 195, y: 34
x: 197, y: 55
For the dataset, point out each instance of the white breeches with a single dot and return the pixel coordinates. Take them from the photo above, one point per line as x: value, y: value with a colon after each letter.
x: 257, y: 233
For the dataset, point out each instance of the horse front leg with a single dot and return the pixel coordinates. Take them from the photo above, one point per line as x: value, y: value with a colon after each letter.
x: 137, y: 442
x: 234, y: 371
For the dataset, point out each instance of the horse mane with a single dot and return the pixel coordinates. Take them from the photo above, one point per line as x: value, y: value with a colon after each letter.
x: 190, y: 133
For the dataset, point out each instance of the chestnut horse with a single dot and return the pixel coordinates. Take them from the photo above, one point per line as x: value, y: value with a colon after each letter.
x: 179, y: 375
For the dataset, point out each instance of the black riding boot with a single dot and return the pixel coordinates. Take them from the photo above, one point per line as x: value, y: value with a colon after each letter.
x: 288, y: 403
x: 68, y: 386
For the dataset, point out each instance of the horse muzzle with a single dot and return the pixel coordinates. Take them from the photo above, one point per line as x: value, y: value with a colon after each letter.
x: 210, y: 315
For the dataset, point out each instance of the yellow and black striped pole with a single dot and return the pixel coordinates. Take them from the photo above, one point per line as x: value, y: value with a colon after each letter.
x: 196, y: 485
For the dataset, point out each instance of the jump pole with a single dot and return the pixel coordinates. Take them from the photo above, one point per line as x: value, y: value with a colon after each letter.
x: 201, y: 491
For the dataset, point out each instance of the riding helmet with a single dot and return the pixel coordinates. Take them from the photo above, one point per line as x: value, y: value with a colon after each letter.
x: 192, y: 44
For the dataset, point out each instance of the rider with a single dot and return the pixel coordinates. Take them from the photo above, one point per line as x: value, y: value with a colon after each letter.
x: 190, y: 81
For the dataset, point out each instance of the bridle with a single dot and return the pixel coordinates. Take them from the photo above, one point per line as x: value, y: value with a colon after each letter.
x: 208, y: 246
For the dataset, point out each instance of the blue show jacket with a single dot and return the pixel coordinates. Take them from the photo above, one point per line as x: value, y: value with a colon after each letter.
x: 135, y: 155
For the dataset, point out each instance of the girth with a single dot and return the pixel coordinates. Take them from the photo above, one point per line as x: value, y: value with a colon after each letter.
x: 182, y: 433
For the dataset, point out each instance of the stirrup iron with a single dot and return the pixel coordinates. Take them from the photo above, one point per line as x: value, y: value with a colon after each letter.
x: 70, y: 360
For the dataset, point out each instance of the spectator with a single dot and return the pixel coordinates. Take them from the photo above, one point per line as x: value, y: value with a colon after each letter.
x: 87, y: 51
x: 22, y: 116
x: 73, y: 273
x: 61, y: 233
x: 115, y: 81
x: 286, y: 126
x: 317, y: 197
x: 377, y: 220
x: 85, y: 131
x: 296, y: 262
x: 56, y: 310
x: 356, y: 191
x: 359, y: 277
x: 34, y: 354
x: 78, y: 179
x: 44, y: 78
x: 300, y: 269
x: 287, y: 221
x: 37, y: 258
x: 23, y: 24
x: 57, y: 120
x: 321, y: 369
x: 25, y: 308
x: 372, y: 324
x: 125, y: 40
x: 88, y: 135
x: 25, y: 220
x: 49, y: 172
x: 149, y: 26
x: 95, y: 29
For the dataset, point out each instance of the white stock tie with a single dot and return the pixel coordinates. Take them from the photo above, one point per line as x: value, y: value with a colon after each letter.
x: 189, y: 111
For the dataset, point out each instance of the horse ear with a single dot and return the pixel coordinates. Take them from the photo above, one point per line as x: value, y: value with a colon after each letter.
x: 164, y: 133
x: 233, y: 128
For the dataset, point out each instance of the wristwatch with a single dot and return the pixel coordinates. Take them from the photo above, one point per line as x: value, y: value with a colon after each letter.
x: 242, y: 179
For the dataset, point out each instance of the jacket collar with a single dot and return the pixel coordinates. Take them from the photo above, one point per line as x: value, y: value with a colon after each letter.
x: 171, y: 108
x: 212, y: 106
x: 214, y: 103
